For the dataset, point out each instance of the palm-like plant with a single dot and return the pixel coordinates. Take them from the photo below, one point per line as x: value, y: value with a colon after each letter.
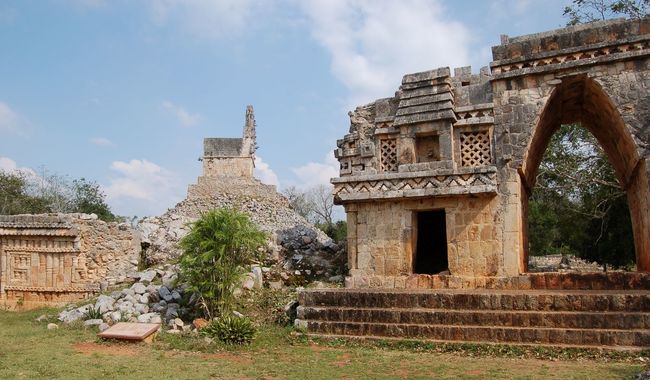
x: 215, y: 252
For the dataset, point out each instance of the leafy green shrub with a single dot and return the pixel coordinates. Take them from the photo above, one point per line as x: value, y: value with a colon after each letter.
x: 215, y: 251
x: 231, y: 329
x: 93, y: 313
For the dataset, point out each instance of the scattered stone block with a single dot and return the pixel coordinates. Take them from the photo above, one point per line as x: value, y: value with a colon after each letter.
x: 131, y: 331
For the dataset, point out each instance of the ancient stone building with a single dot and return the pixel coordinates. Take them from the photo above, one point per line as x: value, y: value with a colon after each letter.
x: 231, y: 157
x: 53, y: 259
x: 435, y: 180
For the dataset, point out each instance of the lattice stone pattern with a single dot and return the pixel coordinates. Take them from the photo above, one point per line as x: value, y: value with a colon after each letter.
x: 475, y: 148
x: 388, y: 155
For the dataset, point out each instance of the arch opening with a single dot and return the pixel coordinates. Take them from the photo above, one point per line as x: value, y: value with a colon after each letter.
x: 581, y: 100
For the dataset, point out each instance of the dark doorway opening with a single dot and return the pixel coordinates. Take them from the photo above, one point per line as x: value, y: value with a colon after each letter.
x: 431, y: 250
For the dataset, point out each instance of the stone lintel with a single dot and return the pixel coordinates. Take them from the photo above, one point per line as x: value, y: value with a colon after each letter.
x: 441, y: 72
x: 405, y: 110
x: 447, y: 114
x: 474, y: 107
x: 428, y: 99
x: 483, y: 120
x: 423, y: 91
x: 442, y: 84
x: 386, y: 131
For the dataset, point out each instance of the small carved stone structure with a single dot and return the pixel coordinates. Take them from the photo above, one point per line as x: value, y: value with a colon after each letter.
x: 53, y: 259
x: 231, y: 157
x: 435, y: 180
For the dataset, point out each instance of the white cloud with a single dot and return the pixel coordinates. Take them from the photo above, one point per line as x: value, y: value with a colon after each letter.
x: 101, y: 141
x: 264, y: 172
x: 142, y: 188
x: 9, y: 120
x: 185, y: 118
x: 204, y: 18
x: 373, y: 43
x: 7, y: 164
x: 316, y: 173
x: 10, y: 166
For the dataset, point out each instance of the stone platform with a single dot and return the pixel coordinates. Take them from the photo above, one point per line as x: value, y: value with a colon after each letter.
x: 614, y: 280
x: 618, y: 319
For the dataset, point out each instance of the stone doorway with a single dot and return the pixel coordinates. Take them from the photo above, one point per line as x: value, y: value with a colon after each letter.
x: 580, y: 99
x: 431, y: 242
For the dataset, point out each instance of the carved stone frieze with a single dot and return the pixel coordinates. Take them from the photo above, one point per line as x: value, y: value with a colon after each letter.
x: 413, y: 185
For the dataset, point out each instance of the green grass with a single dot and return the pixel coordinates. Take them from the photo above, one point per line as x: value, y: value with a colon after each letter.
x: 28, y: 351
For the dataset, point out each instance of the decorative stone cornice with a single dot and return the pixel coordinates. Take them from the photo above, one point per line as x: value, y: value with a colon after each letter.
x: 31, y: 231
x: 43, y: 250
x: 415, y: 184
x: 39, y: 289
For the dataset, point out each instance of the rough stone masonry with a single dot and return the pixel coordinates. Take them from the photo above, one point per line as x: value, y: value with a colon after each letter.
x: 435, y: 180
x: 53, y: 259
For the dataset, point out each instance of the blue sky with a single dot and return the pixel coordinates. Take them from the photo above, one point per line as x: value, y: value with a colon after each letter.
x: 123, y: 92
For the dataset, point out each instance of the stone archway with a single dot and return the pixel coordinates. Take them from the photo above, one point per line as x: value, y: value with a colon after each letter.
x: 581, y: 99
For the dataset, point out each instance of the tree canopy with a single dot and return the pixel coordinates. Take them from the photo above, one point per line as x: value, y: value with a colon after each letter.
x: 577, y: 206
x: 27, y: 193
x: 581, y: 11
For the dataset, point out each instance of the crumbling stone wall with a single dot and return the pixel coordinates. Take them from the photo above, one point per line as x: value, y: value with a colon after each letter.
x: 471, y: 144
x: 57, y: 258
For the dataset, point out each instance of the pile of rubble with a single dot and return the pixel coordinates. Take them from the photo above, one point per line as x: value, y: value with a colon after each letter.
x: 152, y: 299
x: 156, y: 297
x: 294, y: 243
x: 561, y: 263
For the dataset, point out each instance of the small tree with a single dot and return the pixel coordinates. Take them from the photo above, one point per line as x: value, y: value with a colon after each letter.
x: 215, y: 251
x: 87, y: 197
x: 323, y: 202
x: 299, y: 202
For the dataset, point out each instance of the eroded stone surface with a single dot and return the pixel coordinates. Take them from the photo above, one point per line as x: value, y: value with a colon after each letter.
x: 52, y: 259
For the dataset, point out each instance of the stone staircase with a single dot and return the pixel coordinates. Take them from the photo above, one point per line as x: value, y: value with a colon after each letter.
x: 578, y: 318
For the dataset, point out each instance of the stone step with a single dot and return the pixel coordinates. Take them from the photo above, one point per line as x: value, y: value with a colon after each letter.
x: 487, y: 334
x: 507, y: 300
x: 527, y: 318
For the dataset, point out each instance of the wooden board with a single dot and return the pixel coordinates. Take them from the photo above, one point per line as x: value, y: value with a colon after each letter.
x: 130, y: 331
